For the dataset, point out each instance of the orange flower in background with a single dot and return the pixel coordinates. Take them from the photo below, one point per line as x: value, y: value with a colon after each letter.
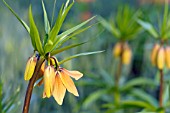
x: 154, y: 54
x: 126, y: 55
x: 167, y: 56
x: 62, y: 81
x: 161, y: 58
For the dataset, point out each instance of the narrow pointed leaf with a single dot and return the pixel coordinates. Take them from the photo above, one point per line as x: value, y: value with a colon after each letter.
x: 77, y: 55
x: 56, y: 51
x: 109, y: 27
x: 149, y: 27
x: 165, y: 18
x: 66, y: 33
x: 135, y: 104
x: 53, y: 32
x: 144, y: 96
x: 20, y: 20
x: 60, y: 40
x: 46, y: 21
x: 137, y: 82
x: 93, y: 97
x: 61, y: 17
x: 34, y: 33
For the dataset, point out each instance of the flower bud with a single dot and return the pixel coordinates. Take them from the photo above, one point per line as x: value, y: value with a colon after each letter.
x: 154, y: 54
x: 52, y: 61
x: 126, y: 55
x: 161, y: 58
x: 117, y: 49
x: 167, y: 56
x: 49, y: 78
x: 30, y: 67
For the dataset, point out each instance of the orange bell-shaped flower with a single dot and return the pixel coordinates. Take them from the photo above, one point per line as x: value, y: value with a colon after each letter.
x: 49, y: 78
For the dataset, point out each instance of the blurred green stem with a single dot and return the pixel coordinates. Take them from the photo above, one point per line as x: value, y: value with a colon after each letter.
x: 118, y: 74
x: 161, y: 88
x: 31, y: 85
x: 117, y: 79
x: 1, y: 97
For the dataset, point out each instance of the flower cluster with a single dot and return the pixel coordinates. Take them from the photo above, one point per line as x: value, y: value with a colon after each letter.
x: 55, y: 78
x: 160, y: 56
x: 123, y: 51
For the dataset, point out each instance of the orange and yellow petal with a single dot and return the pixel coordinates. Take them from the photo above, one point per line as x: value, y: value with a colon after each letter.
x: 74, y: 74
x: 49, y: 78
x: 59, y: 90
x: 68, y: 83
x: 30, y: 67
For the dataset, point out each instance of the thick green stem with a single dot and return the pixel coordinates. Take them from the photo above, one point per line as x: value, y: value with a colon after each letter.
x: 117, y: 79
x: 161, y: 88
x: 118, y: 74
x: 31, y: 85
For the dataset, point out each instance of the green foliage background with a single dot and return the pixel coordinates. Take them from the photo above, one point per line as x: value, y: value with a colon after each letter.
x: 96, y: 88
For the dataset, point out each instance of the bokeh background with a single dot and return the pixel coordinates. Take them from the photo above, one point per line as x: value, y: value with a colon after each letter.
x: 98, y: 69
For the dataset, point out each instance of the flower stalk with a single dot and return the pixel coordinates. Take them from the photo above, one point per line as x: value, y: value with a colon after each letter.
x: 31, y: 85
x: 161, y: 87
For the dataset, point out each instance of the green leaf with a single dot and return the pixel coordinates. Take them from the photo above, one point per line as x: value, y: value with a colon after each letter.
x: 137, y: 82
x: 63, y: 35
x: 60, y: 40
x: 135, y: 103
x: 46, y: 21
x: 34, y: 34
x: 149, y: 27
x: 58, y: 50
x: 166, y: 94
x: 165, y: 19
x: 77, y: 55
x: 9, y: 103
x: 110, y: 27
x: 93, y: 97
x: 20, y: 20
x: 144, y: 96
x: 61, y: 17
x: 107, y: 78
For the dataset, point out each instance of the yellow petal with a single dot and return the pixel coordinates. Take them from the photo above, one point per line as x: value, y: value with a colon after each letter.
x: 75, y: 74
x: 31, y: 63
x: 117, y: 49
x: 154, y: 53
x: 167, y: 56
x: 68, y: 83
x: 126, y: 55
x: 161, y: 58
x: 59, y: 90
x: 49, y: 78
